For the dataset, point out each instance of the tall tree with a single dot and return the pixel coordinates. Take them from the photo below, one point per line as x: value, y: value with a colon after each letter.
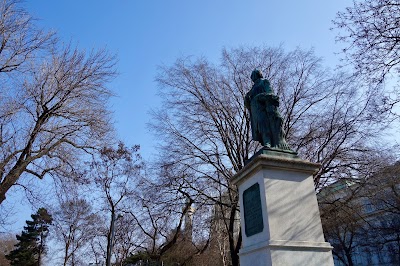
x: 162, y: 216
x: 370, y: 32
x: 342, y: 219
x: 205, y: 130
x: 361, y: 217
x: 115, y: 171
x: 382, y: 193
x: 21, y: 40
x: 52, y: 111
x: 126, y: 239
x: 75, y: 226
x: 31, y: 244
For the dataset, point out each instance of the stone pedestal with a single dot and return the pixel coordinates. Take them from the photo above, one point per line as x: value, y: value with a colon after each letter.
x: 279, y: 213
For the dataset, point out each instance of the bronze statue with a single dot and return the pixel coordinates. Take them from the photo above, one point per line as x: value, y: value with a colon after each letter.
x: 266, y: 121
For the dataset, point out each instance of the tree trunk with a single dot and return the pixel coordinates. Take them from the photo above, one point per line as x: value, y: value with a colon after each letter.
x: 10, y: 180
x: 66, y: 257
x: 234, y: 248
x: 349, y: 259
x: 110, y: 237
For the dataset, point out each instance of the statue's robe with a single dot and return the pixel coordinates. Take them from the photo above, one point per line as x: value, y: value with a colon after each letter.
x: 266, y: 121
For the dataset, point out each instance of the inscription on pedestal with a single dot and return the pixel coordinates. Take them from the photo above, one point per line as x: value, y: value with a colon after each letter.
x: 253, y: 220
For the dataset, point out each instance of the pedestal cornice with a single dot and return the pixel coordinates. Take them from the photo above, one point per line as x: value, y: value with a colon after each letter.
x: 278, y: 162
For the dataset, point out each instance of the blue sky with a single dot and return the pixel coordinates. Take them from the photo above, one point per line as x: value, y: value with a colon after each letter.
x: 145, y: 34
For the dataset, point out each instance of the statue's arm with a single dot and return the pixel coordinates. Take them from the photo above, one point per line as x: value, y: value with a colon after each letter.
x: 247, y: 100
x: 268, y: 98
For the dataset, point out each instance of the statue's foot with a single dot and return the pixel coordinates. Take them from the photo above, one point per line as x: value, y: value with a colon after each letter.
x: 284, y: 146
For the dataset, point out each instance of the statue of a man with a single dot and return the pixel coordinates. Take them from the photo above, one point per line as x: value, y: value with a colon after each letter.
x: 266, y: 121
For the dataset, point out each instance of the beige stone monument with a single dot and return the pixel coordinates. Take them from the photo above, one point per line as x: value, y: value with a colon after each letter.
x: 279, y: 212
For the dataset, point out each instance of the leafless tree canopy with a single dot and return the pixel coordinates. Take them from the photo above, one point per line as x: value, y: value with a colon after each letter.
x: 20, y: 39
x: 116, y: 172
x: 329, y: 119
x: 361, y: 217
x: 52, y: 106
x: 204, y: 129
x: 370, y: 30
x: 75, y: 225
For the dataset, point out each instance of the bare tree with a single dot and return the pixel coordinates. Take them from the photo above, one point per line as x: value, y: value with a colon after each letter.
x: 382, y: 194
x: 370, y: 31
x: 384, y: 188
x: 164, y: 223
x: 75, y: 225
x: 360, y: 216
x: 342, y: 219
x: 53, y: 100
x: 20, y: 39
x: 127, y: 238
x: 6, y: 212
x: 115, y: 172
x: 7, y: 242
x: 57, y: 113
x: 205, y: 129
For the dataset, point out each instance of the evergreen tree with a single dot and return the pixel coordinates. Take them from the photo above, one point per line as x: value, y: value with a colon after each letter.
x: 31, y: 242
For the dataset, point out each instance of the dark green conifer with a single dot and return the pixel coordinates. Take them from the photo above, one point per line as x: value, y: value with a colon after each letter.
x: 31, y: 243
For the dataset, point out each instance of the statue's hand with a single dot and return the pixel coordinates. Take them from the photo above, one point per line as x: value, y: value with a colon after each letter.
x: 261, y: 98
x: 275, y: 100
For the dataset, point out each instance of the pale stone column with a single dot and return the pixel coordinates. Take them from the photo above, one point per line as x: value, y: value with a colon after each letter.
x: 279, y: 213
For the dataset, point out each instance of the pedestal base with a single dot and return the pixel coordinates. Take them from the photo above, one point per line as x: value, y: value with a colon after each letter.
x: 287, y: 253
x: 279, y: 213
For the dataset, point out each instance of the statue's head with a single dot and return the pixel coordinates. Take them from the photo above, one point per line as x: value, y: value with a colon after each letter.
x: 256, y: 74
